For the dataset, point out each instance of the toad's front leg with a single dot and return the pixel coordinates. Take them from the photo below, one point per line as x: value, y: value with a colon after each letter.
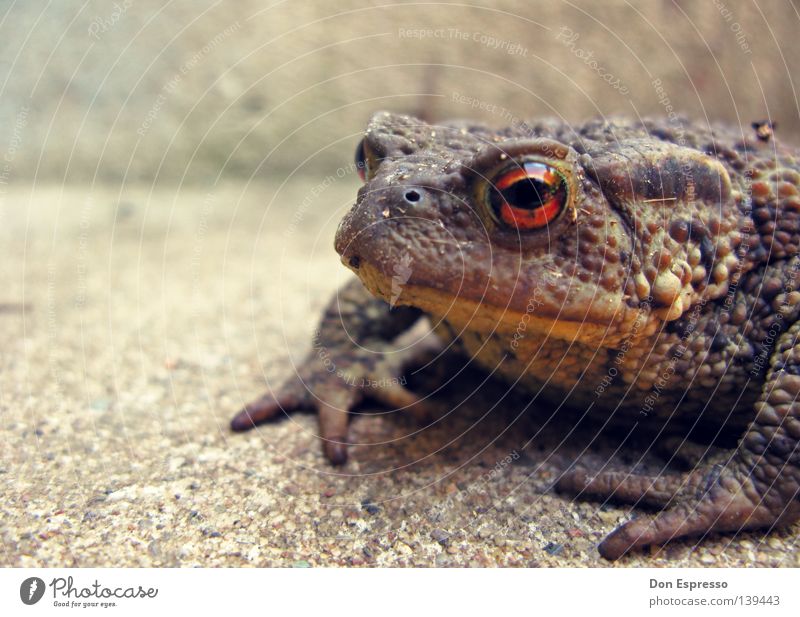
x: 352, y: 358
x: 758, y: 487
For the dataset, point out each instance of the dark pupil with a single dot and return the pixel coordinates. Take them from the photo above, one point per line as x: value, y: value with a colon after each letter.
x: 527, y: 194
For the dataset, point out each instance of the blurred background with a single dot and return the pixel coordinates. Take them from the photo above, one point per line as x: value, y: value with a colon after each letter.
x: 171, y: 177
x: 196, y: 90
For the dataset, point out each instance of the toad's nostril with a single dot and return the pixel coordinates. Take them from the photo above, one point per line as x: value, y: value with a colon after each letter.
x: 412, y: 196
x: 354, y: 261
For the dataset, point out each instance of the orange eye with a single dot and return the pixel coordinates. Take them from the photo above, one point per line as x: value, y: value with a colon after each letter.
x: 528, y: 196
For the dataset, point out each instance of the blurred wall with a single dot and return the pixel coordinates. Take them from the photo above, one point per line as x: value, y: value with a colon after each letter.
x: 196, y: 90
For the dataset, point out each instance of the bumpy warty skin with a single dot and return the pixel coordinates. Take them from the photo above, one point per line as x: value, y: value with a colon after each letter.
x: 663, y: 295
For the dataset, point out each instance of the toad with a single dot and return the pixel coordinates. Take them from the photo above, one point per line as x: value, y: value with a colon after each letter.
x: 645, y: 272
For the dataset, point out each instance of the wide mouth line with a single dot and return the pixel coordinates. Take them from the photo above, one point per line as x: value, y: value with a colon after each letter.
x: 380, y: 284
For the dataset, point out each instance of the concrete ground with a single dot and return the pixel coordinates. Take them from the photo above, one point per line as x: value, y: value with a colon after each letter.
x: 136, y: 321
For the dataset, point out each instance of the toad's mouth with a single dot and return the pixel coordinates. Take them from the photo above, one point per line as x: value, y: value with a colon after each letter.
x: 468, y: 314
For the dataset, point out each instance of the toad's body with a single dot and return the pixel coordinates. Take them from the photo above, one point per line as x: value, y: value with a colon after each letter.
x: 645, y: 270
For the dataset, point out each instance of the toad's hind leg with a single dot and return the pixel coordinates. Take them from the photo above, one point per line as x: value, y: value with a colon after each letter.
x: 757, y: 488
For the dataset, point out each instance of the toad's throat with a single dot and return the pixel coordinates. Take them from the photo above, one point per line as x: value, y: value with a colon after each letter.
x: 479, y: 316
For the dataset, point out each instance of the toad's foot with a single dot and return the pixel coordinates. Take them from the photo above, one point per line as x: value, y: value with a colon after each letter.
x: 713, y: 499
x: 353, y: 359
x: 758, y: 487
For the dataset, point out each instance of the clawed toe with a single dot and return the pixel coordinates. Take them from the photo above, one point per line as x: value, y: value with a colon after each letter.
x: 333, y: 423
x: 623, y: 487
x: 685, y: 520
x: 261, y: 410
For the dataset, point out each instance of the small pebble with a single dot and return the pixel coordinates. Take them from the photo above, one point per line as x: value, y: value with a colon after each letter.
x: 370, y: 507
x: 553, y: 548
x: 440, y: 536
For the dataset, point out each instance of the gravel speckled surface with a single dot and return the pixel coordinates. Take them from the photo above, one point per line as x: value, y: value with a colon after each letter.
x: 135, y: 324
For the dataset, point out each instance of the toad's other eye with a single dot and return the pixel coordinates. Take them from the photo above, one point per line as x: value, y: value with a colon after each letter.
x: 528, y: 195
x: 362, y: 162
